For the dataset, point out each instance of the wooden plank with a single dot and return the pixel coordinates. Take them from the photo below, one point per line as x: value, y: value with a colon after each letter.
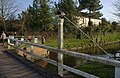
x: 20, y: 73
x: 10, y: 69
x: 42, y: 72
x: 3, y: 57
x: 16, y: 74
x: 7, y: 63
x: 13, y: 68
x: 15, y: 71
x: 6, y: 60
x: 32, y: 75
x: 13, y: 62
x: 10, y: 66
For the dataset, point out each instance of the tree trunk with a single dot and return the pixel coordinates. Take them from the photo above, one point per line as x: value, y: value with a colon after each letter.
x: 3, y: 19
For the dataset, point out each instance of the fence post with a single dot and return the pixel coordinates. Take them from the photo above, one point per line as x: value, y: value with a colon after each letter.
x: 16, y: 45
x: 22, y: 39
x: 60, y: 41
x: 117, y: 72
x: 31, y: 50
x: 35, y: 40
x: 8, y: 42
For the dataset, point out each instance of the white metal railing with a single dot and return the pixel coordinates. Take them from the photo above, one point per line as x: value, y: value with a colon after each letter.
x: 71, y: 53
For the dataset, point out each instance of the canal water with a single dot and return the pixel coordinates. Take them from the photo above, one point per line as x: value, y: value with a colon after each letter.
x: 76, y: 62
x: 111, y: 49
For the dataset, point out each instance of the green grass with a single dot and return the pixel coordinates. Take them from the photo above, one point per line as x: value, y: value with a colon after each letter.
x: 94, y: 68
x: 68, y: 43
x: 109, y: 37
x: 98, y: 69
x: 72, y: 43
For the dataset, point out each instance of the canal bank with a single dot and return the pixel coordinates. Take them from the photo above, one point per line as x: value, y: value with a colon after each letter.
x: 98, y: 69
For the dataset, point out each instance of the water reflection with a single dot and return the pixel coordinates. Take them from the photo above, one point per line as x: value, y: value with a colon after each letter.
x: 73, y: 62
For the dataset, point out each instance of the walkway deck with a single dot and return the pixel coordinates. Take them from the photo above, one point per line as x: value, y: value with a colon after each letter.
x: 13, y: 66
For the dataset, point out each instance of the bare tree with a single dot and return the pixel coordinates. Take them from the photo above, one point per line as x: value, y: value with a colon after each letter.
x: 117, y: 6
x: 7, y: 8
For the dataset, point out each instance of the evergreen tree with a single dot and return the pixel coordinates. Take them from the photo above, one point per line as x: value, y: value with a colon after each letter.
x: 92, y: 6
x: 40, y: 17
x: 24, y: 18
x: 68, y: 7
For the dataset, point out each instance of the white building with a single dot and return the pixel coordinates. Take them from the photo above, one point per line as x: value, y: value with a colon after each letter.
x: 83, y: 21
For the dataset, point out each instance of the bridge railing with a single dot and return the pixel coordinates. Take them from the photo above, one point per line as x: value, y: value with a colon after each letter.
x: 71, y: 53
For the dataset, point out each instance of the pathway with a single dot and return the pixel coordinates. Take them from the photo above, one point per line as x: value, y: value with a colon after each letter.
x: 14, y: 66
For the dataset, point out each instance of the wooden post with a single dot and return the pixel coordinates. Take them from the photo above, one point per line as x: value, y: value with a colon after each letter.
x: 16, y: 45
x: 35, y: 40
x: 117, y: 72
x: 31, y: 50
x: 8, y: 43
x: 22, y: 39
x: 60, y: 45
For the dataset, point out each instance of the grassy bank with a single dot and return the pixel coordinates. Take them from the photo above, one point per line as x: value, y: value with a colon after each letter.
x: 72, y: 43
x: 68, y: 43
x: 98, y: 69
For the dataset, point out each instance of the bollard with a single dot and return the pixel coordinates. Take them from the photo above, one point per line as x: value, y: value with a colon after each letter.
x: 16, y: 45
x: 117, y: 72
x: 35, y: 40
x: 31, y: 50
x: 8, y: 43
x: 22, y: 39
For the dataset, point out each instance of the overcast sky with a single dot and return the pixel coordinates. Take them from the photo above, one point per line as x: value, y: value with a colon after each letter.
x: 107, y: 10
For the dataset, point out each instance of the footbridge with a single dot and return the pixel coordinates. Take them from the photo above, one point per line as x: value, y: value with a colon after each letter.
x: 9, y: 67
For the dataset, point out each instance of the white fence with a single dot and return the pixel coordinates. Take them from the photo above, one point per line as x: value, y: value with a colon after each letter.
x: 71, y: 53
